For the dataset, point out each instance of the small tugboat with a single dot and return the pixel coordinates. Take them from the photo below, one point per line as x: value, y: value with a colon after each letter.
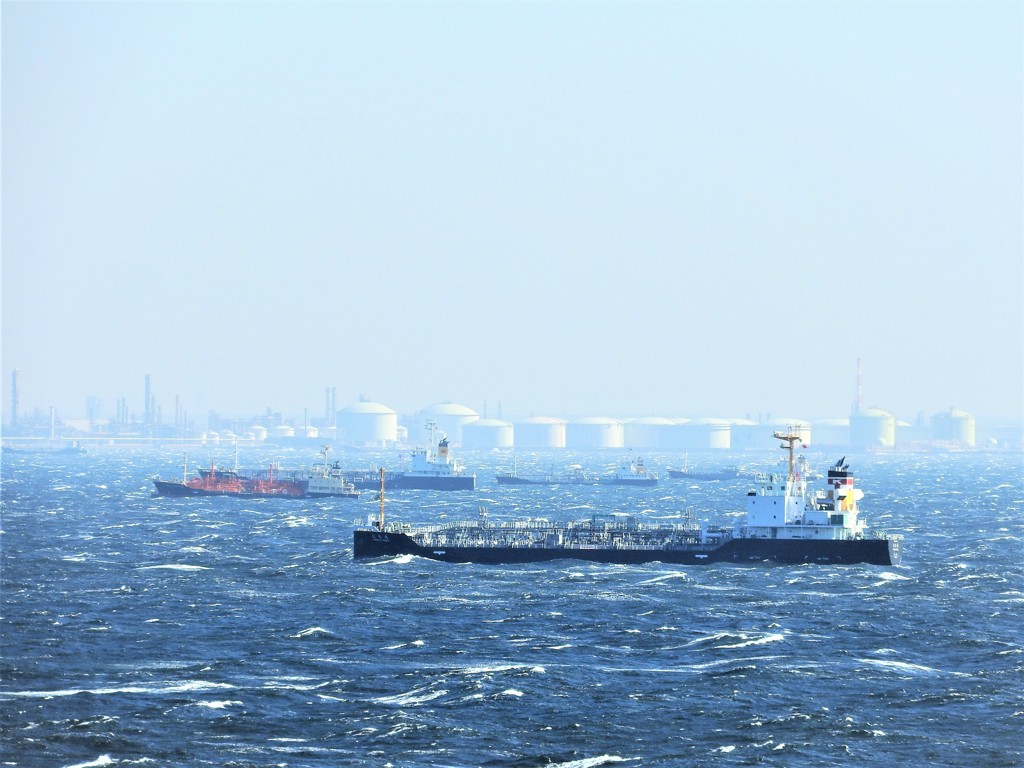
x: 573, y: 475
x: 631, y: 472
x: 787, y: 522
x: 329, y: 481
x: 435, y: 472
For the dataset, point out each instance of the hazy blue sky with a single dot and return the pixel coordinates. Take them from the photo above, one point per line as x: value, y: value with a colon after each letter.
x: 572, y: 208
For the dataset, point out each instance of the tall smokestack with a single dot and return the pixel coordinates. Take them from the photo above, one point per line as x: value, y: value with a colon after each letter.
x: 147, y: 418
x: 15, y: 397
x: 859, y: 405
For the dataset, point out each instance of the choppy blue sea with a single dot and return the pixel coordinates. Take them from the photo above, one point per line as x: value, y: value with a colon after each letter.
x: 222, y: 632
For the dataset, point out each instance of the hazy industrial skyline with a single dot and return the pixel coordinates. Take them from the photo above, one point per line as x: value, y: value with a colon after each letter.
x: 620, y: 209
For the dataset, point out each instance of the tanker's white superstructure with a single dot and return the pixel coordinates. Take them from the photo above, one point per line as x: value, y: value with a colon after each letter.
x: 784, y: 506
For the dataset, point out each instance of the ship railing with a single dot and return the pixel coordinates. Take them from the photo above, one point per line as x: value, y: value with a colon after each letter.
x: 886, y: 535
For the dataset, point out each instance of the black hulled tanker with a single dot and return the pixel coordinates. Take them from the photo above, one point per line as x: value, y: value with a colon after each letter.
x: 787, y: 522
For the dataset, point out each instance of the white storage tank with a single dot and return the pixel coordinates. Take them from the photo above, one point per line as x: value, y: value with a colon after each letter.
x: 594, y: 432
x: 745, y: 434
x: 448, y: 419
x: 487, y: 434
x: 368, y: 424
x: 872, y: 428
x: 311, y: 432
x: 708, y: 433
x: 259, y: 432
x: 832, y: 432
x: 539, y: 432
x: 673, y: 436
x: 283, y: 432
x: 644, y: 432
x: 954, y: 426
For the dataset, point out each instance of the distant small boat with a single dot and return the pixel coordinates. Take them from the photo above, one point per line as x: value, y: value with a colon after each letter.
x: 631, y: 472
x: 573, y: 475
x: 727, y: 473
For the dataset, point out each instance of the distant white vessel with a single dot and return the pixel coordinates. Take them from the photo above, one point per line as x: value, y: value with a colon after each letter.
x: 328, y: 480
x: 437, y: 472
x: 631, y: 472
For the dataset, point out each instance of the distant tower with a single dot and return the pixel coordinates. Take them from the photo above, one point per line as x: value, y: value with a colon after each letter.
x: 331, y: 407
x: 147, y: 418
x: 15, y: 397
x: 858, y: 404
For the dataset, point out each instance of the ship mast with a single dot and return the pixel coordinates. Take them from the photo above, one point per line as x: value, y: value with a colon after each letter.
x: 789, y: 438
x: 380, y: 520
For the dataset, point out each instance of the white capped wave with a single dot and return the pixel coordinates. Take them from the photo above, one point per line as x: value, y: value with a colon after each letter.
x: 399, y: 560
x: 511, y: 692
x: 485, y: 670
x: 197, y: 685
x: 773, y: 638
x: 99, y: 761
x: 311, y: 631
x: 173, y: 567
x: 908, y: 668
x: 415, y: 696
x: 218, y: 704
x: 709, y: 638
x: 666, y: 577
x: 744, y: 639
x: 591, y: 762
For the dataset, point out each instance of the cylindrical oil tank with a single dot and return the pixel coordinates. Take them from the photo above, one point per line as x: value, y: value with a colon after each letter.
x: 487, y: 434
x: 283, y: 432
x: 368, y: 424
x: 209, y: 436
x: 708, y: 433
x: 745, y: 433
x: 954, y: 426
x: 673, y: 436
x: 448, y: 419
x: 872, y: 428
x: 832, y: 432
x: 539, y: 432
x: 594, y: 432
x: 259, y: 432
x: 644, y: 432
x: 798, y: 427
x: 311, y: 432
